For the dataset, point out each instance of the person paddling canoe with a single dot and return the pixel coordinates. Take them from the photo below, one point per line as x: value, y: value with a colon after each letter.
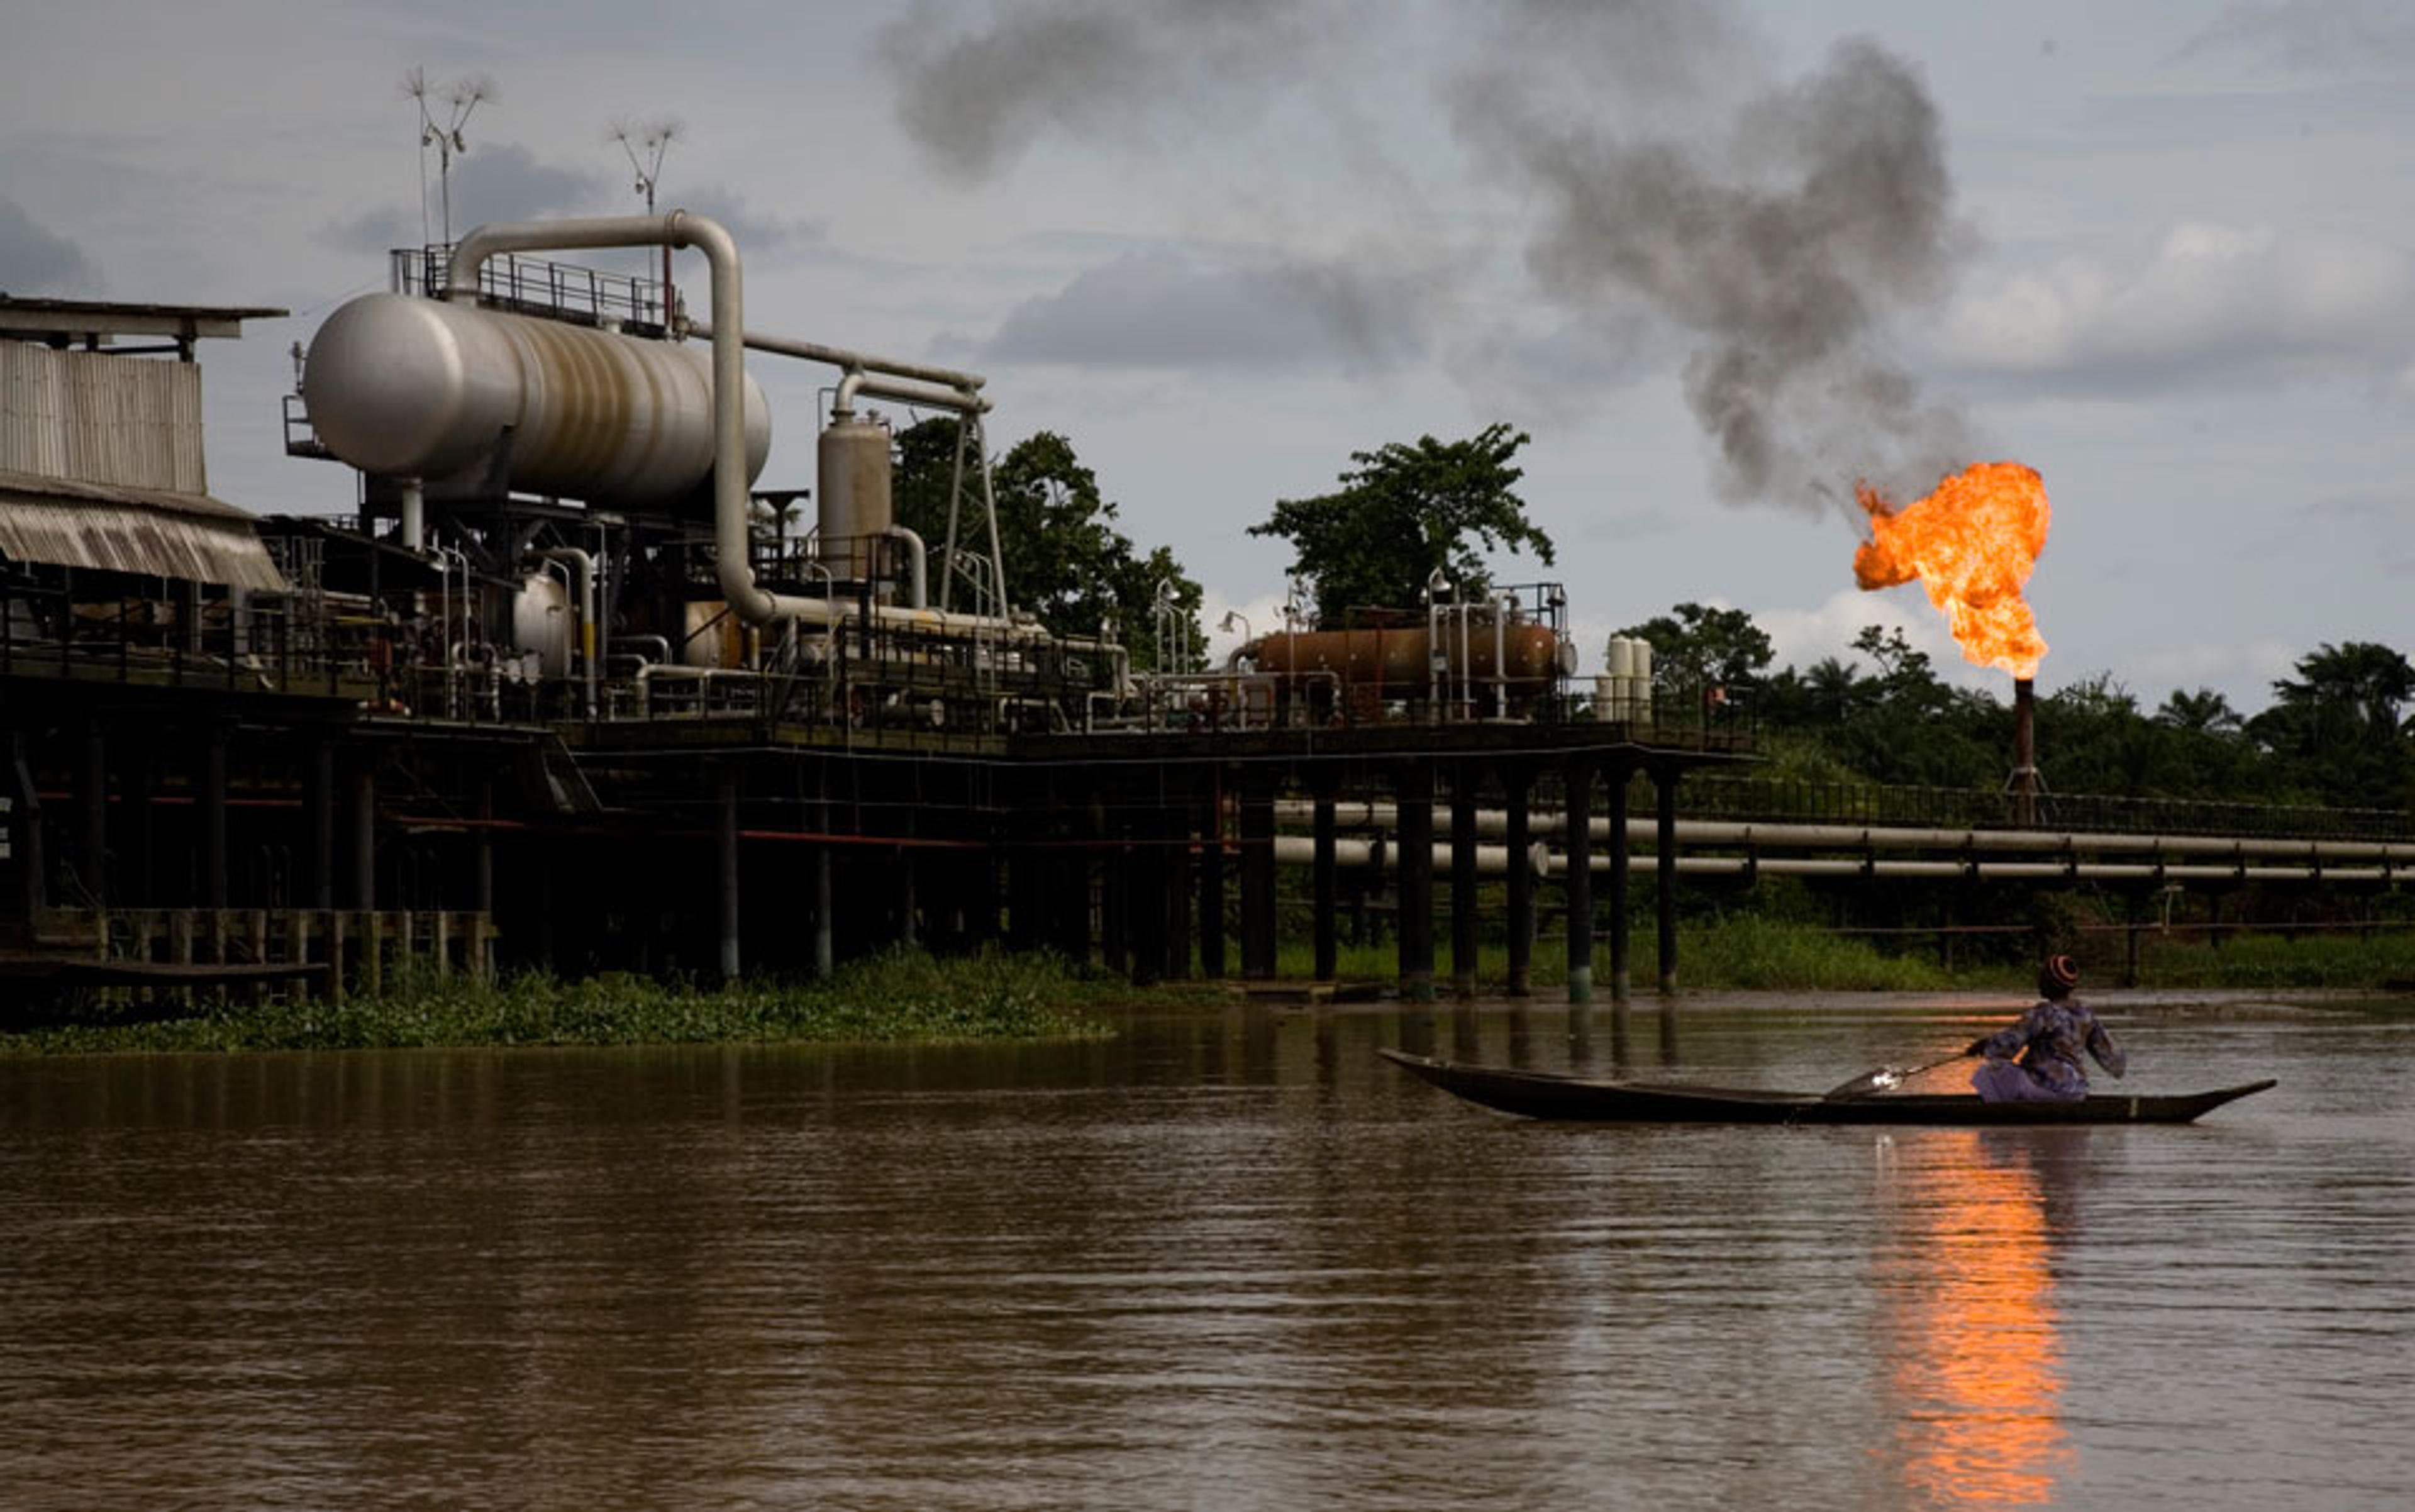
x: 2047, y: 1039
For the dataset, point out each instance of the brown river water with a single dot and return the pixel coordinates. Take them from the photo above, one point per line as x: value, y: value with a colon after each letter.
x: 1227, y: 1260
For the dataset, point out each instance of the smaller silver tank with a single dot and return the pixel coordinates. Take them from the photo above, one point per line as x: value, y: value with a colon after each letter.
x: 541, y: 621
x: 854, y: 505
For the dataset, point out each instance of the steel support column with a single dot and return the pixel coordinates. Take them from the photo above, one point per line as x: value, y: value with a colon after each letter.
x: 1579, y: 884
x: 726, y: 871
x: 318, y: 823
x: 1257, y: 874
x: 1463, y: 881
x: 93, y: 796
x: 1413, y: 870
x: 1664, y: 789
x: 1622, y: 944
x: 363, y: 816
x: 1212, y: 877
x: 213, y: 806
x: 1148, y: 872
x: 482, y: 854
x: 1181, y: 810
x: 1322, y: 882
x: 825, y: 914
x: 138, y: 880
x: 25, y: 824
x: 1115, y: 883
x: 1514, y: 784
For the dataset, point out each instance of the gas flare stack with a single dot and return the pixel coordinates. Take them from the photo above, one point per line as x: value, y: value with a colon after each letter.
x: 2023, y: 784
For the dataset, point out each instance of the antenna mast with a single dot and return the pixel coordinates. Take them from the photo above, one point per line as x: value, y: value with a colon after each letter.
x: 440, y: 127
x: 646, y: 144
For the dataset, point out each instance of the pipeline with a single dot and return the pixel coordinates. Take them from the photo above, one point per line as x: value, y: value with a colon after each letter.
x: 1383, y: 855
x: 1494, y: 822
x: 842, y: 359
x: 1979, y: 870
x: 1490, y: 861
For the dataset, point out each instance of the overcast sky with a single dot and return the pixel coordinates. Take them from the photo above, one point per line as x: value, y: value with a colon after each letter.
x: 1720, y: 260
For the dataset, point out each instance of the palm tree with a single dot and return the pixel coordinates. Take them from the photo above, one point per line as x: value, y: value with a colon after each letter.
x: 2203, y: 712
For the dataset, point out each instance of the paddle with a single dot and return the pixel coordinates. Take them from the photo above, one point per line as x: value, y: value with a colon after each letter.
x: 1883, y: 1078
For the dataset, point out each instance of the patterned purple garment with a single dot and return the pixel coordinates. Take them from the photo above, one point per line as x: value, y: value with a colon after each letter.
x: 2049, y: 1040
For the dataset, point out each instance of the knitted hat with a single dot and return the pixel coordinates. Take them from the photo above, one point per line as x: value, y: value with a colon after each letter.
x: 2060, y: 972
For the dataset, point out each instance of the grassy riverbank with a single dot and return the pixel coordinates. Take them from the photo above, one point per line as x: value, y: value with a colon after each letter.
x: 909, y: 997
x: 891, y: 999
x: 1741, y: 953
x: 1750, y: 953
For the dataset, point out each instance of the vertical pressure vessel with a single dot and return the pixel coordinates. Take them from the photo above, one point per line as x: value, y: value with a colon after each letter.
x: 853, y: 472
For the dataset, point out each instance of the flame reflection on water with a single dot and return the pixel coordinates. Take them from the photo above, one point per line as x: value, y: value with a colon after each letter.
x: 1978, y: 1358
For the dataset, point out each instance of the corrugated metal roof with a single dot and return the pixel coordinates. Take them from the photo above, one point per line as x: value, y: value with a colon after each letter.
x: 74, y: 319
x: 150, y: 531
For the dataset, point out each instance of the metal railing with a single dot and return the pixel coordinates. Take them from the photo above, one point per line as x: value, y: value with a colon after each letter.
x: 536, y: 286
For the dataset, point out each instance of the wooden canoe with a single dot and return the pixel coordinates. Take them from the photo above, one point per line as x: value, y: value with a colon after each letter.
x: 1592, y: 1100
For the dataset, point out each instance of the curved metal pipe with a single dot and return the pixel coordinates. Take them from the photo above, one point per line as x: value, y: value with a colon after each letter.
x: 677, y: 229
x: 964, y: 401
x: 918, y: 579
x: 578, y: 558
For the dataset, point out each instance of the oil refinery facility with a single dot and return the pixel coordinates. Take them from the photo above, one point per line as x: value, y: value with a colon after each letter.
x: 574, y: 687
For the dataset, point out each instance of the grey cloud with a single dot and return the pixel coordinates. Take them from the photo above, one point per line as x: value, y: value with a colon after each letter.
x: 1782, y: 250
x: 2210, y: 306
x: 1560, y: 368
x: 757, y: 235
x: 2312, y: 36
x: 502, y: 182
x: 973, y: 101
x: 1627, y: 57
x: 1162, y: 307
x: 35, y: 260
x: 1780, y: 227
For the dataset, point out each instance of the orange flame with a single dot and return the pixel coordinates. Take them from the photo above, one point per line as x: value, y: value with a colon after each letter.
x: 1971, y: 544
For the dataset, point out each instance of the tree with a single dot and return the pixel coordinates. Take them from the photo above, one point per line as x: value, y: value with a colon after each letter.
x: 2203, y: 712
x: 1065, y: 561
x: 1695, y: 647
x: 2358, y: 684
x: 2338, y: 724
x: 1405, y: 512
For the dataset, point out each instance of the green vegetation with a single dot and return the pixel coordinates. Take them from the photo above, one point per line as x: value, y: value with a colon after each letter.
x: 896, y: 997
x: 908, y: 997
x: 2269, y: 961
x: 1744, y: 952
x: 1405, y: 512
x: 1738, y: 953
x: 2336, y: 735
x: 1065, y: 560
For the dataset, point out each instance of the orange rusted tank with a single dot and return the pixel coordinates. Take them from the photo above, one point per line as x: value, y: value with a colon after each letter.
x: 1482, y: 665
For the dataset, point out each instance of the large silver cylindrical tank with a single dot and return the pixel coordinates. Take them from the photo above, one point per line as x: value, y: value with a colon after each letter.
x: 854, y: 502
x: 408, y: 387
